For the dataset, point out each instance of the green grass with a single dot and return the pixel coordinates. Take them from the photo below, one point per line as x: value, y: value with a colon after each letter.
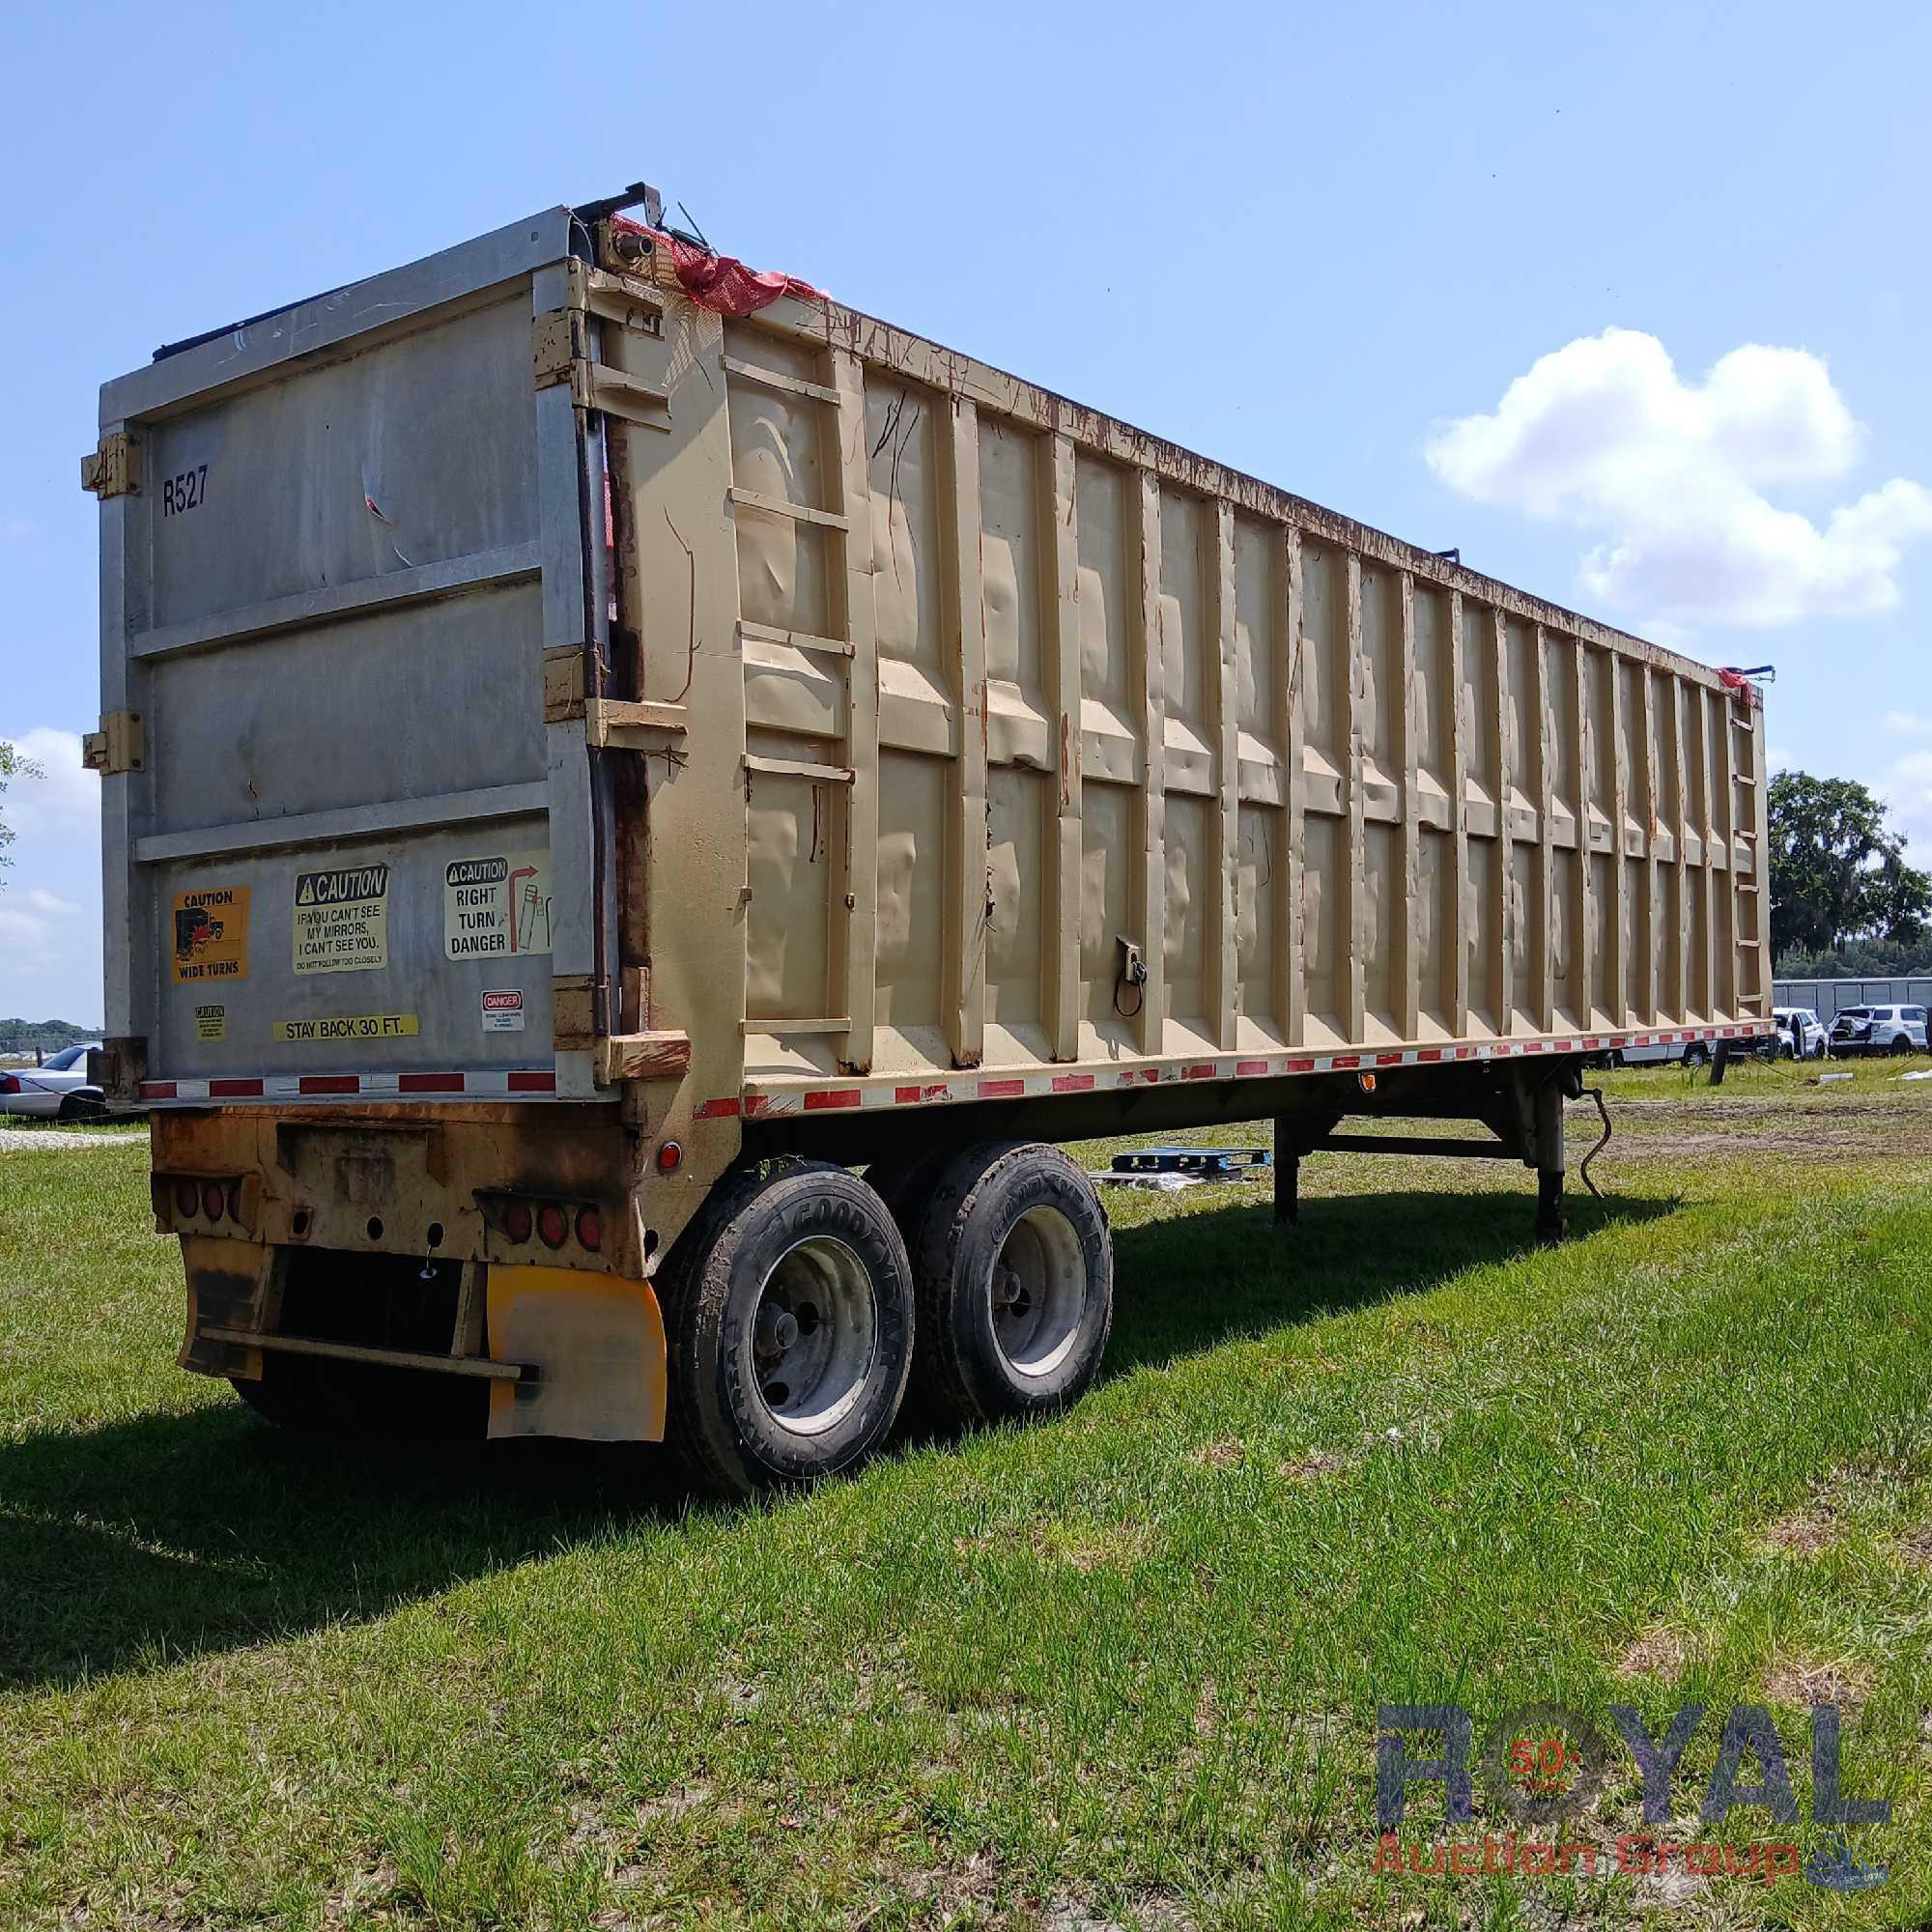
x: 1120, y: 1668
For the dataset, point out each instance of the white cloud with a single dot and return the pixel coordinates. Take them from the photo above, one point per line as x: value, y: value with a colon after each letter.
x: 1907, y: 792
x: 50, y: 893
x: 35, y: 918
x: 1605, y: 434
x: 64, y: 801
x: 1907, y: 724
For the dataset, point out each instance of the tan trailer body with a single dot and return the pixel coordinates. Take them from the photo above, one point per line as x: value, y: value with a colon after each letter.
x: 895, y: 753
x: 1004, y: 686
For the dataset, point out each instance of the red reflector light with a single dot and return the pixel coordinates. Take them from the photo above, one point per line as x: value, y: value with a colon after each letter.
x: 589, y: 1229
x: 187, y: 1196
x: 552, y: 1224
x: 669, y: 1154
x: 517, y: 1220
x: 211, y: 1200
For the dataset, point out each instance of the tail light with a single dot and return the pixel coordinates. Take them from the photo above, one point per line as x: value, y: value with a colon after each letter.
x: 234, y: 1200
x: 10, y: 1083
x: 212, y: 1201
x: 525, y: 1217
x: 187, y: 1198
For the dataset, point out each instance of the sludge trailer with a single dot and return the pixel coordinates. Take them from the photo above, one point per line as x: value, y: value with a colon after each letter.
x: 598, y: 744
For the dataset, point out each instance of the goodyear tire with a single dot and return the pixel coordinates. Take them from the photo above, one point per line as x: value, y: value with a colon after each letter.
x: 789, y: 1312
x: 1015, y: 1265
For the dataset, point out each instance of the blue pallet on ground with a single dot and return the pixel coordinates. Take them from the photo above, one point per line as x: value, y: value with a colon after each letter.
x: 1227, y: 1161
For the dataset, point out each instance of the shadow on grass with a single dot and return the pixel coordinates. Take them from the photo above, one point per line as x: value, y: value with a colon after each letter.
x: 1185, y: 1284
x: 147, y: 1541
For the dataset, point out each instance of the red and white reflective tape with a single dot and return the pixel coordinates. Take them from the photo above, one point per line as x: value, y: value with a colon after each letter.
x: 351, y: 1086
x: 766, y: 1101
x: 762, y: 1101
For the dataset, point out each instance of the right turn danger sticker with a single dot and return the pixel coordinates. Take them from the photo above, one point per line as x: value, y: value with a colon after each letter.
x: 495, y: 905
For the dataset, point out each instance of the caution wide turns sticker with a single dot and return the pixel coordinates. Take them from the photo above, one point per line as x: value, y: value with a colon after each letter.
x: 211, y: 934
x: 342, y: 920
x: 495, y: 905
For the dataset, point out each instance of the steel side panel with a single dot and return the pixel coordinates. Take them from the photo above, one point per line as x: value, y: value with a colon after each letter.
x: 1327, y: 734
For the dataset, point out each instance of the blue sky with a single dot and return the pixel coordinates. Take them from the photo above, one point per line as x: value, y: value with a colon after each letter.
x: 1308, y: 241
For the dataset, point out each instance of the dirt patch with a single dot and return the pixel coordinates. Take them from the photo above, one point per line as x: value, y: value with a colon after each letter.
x: 1229, y: 1453
x: 1805, y: 1532
x: 1657, y: 1653
x: 1803, y: 1682
x: 1085, y: 1547
x: 1306, y: 1468
x: 1807, y: 1128
x: 1815, y: 1146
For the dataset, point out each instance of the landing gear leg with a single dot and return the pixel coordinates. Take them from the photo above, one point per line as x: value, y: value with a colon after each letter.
x: 1551, y: 1224
x: 1287, y: 1177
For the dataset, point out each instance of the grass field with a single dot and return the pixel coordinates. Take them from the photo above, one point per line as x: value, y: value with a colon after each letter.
x: 1121, y: 1670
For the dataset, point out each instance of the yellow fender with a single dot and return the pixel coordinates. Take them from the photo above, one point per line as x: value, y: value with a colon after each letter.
x: 596, y: 1342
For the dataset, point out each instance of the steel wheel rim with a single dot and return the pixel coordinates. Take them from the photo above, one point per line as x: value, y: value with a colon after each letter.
x: 1039, y: 1291
x: 814, y: 1335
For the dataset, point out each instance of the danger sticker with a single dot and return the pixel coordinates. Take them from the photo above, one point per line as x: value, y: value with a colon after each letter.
x: 503, y: 1010
x: 211, y: 934
x: 495, y: 905
x: 210, y: 1023
x: 342, y: 920
x: 351, y: 1027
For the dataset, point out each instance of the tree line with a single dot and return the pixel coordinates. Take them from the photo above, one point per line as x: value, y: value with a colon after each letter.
x: 1843, y: 900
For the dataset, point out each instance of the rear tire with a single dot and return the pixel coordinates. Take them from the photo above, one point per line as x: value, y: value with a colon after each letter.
x: 1698, y: 1055
x: 904, y: 1181
x: 1900, y: 1047
x: 789, y: 1312
x: 1015, y: 1265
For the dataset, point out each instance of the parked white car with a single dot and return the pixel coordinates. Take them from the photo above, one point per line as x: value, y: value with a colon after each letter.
x: 1879, y: 1029
x: 58, y: 1088
x: 1800, y: 1033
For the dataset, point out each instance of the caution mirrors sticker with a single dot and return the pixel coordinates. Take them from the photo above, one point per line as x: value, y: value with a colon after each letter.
x: 495, y: 905
x: 211, y: 934
x: 342, y: 921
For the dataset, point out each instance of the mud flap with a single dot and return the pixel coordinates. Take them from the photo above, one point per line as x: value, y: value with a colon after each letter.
x: 598, y: 1344
x: 227, y: 1287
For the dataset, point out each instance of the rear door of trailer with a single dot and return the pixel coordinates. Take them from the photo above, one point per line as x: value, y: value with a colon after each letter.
x: 344, y: 855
